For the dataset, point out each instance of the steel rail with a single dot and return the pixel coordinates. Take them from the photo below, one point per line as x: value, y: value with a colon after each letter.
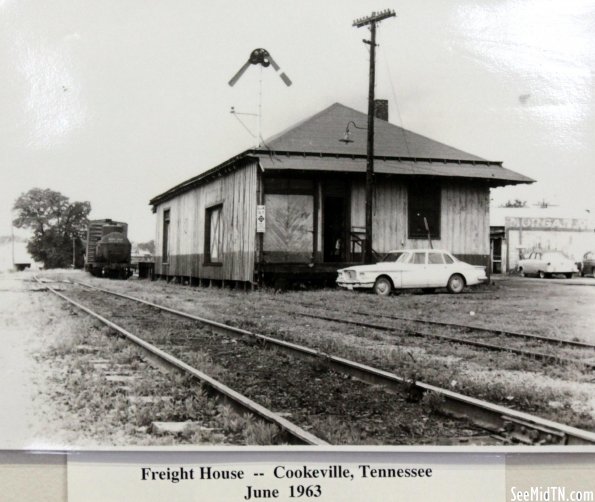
x: 528, y: 336
x: 482, y: 345
x: 239, y: 402
x: 517, y: 425
x: 512, y: 334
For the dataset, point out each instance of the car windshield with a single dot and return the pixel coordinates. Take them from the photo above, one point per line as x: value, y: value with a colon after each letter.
x: 403, y: 258
x: 553, y: 256
x: 392, y: 256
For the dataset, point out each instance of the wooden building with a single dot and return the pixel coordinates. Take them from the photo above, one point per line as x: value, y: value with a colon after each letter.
x: 311, y: 181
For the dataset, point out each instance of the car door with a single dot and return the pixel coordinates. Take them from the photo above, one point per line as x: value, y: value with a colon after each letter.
x: 414, y: 271
x: 539, y: 263
x: 394, y: 265
x: 532, y: 263
x: 437, y: 272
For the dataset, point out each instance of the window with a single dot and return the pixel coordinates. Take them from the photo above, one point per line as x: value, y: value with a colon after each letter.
x: 419, y: 259
x: 165, y: 236
x: 213, y: 235
x: 435, y: 259
x: 424, y: 206
x: 448, y: 259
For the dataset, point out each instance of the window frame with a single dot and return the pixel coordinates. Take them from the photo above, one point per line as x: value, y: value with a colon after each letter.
x: 208, y: 234
x: 165, y: 230
x: 435, y: 253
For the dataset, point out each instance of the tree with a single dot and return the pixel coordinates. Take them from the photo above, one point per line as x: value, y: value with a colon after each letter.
x: 515, y: 203
x: 148, y: 246
x: 56, y: 224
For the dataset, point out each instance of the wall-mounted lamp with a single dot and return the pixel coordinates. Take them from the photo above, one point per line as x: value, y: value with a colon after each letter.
x: 347, y: 136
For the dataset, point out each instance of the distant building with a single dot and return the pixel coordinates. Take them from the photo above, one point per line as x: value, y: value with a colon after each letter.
x: 295, y: 208
x: 15, y: 256
x: 515, y: 232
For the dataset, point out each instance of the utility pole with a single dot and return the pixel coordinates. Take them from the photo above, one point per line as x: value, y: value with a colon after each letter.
x: 12, y: 238
x: 372, y: 20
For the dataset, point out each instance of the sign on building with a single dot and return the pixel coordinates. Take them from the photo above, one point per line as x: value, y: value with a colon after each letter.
x: 260, y: 219
x: 570, y: 224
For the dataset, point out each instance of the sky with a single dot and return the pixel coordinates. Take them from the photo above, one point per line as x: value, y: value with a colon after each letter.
x: 117, y: 101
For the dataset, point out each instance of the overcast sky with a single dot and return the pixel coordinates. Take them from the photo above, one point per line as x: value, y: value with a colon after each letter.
x: 115, y: 101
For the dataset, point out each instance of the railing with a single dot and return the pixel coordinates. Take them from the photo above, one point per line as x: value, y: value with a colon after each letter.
x: 358, y: 238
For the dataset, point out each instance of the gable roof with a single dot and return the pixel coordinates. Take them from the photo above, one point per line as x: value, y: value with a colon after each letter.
x: 322, y: 132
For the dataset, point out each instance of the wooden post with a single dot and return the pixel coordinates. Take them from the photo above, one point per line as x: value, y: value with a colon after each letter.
x: 371, y: 21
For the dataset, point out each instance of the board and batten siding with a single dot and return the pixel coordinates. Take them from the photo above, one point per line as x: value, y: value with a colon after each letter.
x: 237, y: 193
x: 464, y: 219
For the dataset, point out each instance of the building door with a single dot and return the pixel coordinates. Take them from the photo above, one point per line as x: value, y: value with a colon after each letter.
x: 496, y: 250
x: 334, y: 228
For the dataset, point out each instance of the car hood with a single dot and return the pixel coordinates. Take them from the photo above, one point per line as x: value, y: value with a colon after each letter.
x: 373, y: 268
x: 364, y: 268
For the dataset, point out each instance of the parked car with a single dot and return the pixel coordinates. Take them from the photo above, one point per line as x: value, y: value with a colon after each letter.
x: 588, y: 264
x: 547, y: 263
x: 413, y: 268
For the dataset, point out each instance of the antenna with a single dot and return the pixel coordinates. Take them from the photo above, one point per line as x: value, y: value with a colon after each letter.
x: 263, y: 58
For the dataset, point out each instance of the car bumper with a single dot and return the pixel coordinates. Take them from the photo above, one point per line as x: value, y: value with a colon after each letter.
x: 478, y: 277
x: 354, y: 285
x: 552, y: 270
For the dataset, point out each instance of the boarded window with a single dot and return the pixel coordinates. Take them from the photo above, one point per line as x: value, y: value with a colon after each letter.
x: 289, y: 232
x: 165, y: 237
x: 214, y: 235
x: 424, y: 207
x: 289, y: 185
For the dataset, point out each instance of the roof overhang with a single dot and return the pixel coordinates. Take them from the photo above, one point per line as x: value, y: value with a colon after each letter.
x: 491, y: 172
x: 487, y: 171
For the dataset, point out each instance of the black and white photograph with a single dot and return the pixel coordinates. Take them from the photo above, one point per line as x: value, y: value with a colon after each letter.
x: 274, y: 223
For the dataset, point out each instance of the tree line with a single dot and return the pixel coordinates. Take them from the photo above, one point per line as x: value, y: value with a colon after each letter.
x: 57, y: 224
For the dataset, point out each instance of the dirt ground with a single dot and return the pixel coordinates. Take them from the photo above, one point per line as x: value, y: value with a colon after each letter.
x: 32, y: 324
x: 24, y: 331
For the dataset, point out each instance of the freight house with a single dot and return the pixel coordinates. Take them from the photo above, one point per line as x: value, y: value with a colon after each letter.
x: 311, y: 181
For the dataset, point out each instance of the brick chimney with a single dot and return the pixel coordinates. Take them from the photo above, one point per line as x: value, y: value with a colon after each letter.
x: 381, y: 109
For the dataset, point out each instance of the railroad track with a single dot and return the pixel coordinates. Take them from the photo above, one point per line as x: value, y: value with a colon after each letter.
x: 326, y: 402
x: 483, y: 337
x: 241, y: 404
x: 505, y: 424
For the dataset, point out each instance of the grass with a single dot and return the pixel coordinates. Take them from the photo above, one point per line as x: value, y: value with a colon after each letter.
x: 534, y: 307
x: 96, y: 411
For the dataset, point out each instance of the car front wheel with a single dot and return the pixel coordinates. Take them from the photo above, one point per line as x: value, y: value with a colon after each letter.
x: 455, y: 284
x: 383, y: 286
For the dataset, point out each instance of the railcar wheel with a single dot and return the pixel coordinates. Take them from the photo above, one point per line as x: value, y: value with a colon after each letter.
x: 456, y: 284
x: 541, y: 274
x: 383, y: 286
